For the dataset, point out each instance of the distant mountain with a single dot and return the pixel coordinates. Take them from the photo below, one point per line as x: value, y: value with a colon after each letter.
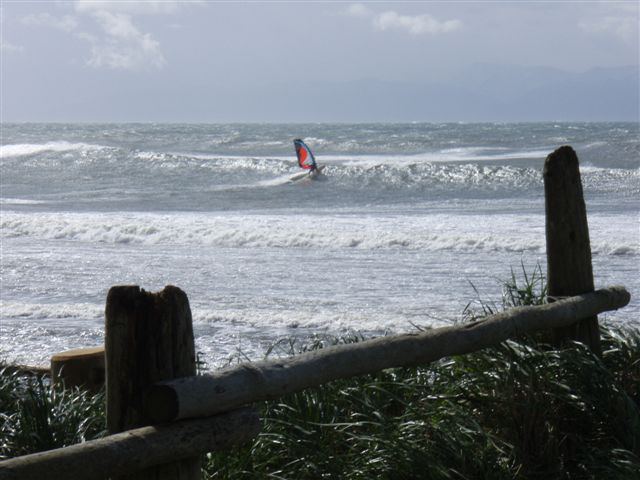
x: 598, y: 94
x: 479, y: 93
x: 482, y: 92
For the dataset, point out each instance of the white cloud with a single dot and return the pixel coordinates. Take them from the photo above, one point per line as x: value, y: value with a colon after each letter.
x: 124, y: 46
x: 7, y: 47
x: 119, y: 44
x: 66, y: 23
x: 626, y: 28
x: 415, y: 25
x: 149, y: 7
x: 423, y: 24
x: 117, y: 26
x: 358, y: 10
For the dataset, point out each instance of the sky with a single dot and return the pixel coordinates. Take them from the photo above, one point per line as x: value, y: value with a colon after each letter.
x: 285, y: 61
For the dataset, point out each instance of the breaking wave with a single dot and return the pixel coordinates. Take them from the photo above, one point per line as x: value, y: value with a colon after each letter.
x: 436, y: 232
x: 25, y: 149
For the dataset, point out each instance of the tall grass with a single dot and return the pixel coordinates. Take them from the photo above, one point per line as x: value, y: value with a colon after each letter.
x: 517, y: 291
x: 513, y: 411
x: 520, y: 410
x: 36, y: 416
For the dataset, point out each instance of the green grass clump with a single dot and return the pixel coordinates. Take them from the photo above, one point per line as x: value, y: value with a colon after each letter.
x: 529, y: 289
x: 35, y: 416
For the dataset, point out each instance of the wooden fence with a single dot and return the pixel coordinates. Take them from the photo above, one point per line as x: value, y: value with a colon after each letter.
x: 161, y: 416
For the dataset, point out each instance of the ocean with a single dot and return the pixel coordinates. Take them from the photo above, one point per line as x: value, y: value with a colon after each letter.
x: 410, y: 223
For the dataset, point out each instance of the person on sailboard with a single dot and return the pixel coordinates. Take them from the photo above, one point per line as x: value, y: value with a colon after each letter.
x: 306, y: 160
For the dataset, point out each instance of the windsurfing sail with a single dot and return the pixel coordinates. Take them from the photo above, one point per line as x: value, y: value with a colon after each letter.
x: 306, y: 159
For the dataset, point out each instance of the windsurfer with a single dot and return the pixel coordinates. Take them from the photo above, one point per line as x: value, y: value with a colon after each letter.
x: 306, y: 160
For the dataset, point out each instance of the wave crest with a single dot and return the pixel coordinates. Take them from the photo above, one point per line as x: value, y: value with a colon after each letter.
x: 438, y: 232
x: 25, y: 149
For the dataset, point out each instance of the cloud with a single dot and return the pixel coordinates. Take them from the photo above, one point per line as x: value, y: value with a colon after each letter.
x: 119, y: 43
x: 625, y: 28
x: 358, y: 10
x: 415, y: 25
x: 66, y: 23
x: 123, y: 46
x: 7, y: 47
x: 149, y: 7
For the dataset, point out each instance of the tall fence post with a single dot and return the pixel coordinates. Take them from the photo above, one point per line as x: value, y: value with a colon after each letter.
x: 569, y: 269
x: 148, y: 338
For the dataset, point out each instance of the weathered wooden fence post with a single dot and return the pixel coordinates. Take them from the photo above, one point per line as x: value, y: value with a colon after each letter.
x: 148, y: 338
x: 569, y: 269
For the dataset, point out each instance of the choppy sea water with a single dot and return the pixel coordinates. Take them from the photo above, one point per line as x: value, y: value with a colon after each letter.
x: 408, y: 222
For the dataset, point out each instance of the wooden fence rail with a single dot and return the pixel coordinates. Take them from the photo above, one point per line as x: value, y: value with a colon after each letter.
x: 232, y: 387
x: 135, y: 450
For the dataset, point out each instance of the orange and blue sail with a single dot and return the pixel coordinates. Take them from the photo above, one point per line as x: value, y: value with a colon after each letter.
x: 306, y: 159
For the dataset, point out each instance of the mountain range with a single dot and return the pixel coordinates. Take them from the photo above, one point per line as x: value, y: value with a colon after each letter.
x: 482, y: 92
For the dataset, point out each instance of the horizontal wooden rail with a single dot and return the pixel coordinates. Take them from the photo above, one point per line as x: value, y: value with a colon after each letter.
x: 133, y: 450
x: 243, y: 384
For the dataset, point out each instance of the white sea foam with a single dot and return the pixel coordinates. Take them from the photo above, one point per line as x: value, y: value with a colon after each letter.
x: 438, y: 232
x: 24, y: 149
x: 35, y: 311
x: 20, y: 201
x: 594, y: 144
x: 300, y: 318
x: 258, y: 231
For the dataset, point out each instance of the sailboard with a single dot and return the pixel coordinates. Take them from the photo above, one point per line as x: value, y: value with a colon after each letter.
x: 306, y: 161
